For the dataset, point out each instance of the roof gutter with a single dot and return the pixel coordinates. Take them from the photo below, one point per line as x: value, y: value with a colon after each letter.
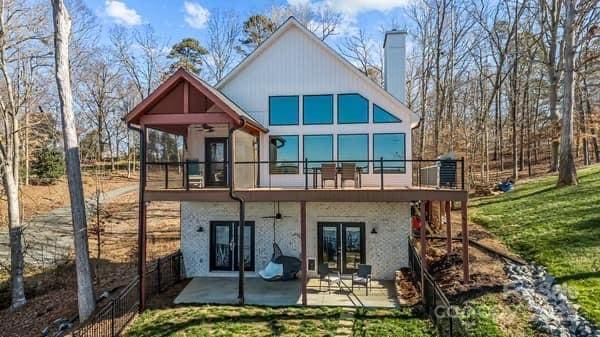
x: 242, y: 202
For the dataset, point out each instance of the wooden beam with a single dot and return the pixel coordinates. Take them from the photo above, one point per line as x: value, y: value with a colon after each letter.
x: 423, y: 241
x: 185, y: 118
x: 304, y: 280
x: 186, y: 97
x: 300, y: 194
x: 448, y: 227
x: 465, y: 242
x: 142, y: 223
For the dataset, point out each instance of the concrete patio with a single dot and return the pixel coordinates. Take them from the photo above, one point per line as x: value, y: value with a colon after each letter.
x: 224, y: 290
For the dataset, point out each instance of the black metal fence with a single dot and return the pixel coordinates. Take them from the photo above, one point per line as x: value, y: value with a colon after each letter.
x: 111, y: 319
x: 439, y: 309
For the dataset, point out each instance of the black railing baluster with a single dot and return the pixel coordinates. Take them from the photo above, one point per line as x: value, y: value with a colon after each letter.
x: 187, y: 175
x: 166, y: 176
x: 305, y: 168
x: 381, y: 171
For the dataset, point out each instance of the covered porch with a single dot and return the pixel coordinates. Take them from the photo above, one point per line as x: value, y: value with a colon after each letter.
x: 223, y: 290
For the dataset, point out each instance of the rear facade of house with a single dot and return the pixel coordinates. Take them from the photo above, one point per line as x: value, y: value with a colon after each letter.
x: 319, y: 153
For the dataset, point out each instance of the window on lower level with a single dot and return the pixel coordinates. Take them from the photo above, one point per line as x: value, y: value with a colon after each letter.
x: 318, y: 148
x: 283, y: 154
x: 390, y: 147
x: 352, y: 108
x: 380, y: 115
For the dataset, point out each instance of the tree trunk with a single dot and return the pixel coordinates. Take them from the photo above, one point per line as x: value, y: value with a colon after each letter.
x: 16, y: 246
x: 85, y: 291
x: 567, y: 174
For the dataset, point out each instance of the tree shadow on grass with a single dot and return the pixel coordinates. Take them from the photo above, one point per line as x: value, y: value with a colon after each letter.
x: 578, y: 276
x: 495, y: 201
x: 156, y: 328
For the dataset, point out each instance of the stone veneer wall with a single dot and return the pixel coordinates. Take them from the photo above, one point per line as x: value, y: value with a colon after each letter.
x: 386, y: 251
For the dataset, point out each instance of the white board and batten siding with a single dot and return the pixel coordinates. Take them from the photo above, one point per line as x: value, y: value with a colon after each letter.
x: 295, y: 64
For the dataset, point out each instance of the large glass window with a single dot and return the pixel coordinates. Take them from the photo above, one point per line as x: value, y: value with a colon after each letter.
x: 283, y: 110
x: 317, y: 109
x: 380, y: 115
x: 354, y: 148
x: 352, y: 108
x: 389, y: 146
x: 318, y: 147
x: 283, y: 154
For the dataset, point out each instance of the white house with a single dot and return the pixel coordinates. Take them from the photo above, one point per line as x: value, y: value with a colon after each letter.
x: 320, y: 161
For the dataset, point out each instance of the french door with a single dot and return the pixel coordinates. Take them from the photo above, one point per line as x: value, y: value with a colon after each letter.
x: 341, y: 245
x: 224, y: 254
x: 215, y: 161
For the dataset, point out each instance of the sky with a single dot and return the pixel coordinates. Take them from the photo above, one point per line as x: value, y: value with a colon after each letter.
x: 173, y: 20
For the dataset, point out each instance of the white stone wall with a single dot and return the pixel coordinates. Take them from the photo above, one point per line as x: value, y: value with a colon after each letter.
x: 386, y: 251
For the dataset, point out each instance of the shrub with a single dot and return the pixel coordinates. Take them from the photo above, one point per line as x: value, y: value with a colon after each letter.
x: 48, y: 164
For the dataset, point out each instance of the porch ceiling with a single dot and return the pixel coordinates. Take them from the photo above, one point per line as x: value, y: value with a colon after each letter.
x: 183, y: 100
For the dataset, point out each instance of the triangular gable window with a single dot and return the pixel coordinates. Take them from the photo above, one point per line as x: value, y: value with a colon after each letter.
x: 380, y: 115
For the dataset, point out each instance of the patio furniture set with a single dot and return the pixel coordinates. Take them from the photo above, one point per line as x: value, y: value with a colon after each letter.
x: 362, y: 277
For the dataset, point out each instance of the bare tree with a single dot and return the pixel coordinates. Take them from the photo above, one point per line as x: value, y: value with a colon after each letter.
x: 223, y: 32
x: 62, y: 29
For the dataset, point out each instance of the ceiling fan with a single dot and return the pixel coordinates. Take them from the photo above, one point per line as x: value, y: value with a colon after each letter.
x: 276, y: 213
x: 205, y: 127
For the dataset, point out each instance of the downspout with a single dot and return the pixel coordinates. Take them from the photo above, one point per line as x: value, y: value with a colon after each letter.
x: 141, y: 219
x: 242, y: 203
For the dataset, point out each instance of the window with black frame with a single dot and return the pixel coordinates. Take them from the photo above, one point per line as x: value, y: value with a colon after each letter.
x: 283, y: 110
x: 318, y: 148
x: 390, y: 147
x: 354, y: 148
x: 283, y: 154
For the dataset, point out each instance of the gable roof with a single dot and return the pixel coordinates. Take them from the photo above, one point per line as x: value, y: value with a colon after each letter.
x: 293, y: 22
x: 218, y: 98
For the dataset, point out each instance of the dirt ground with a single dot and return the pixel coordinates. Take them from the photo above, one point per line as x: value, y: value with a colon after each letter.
x: 40, y: 199
x: 52, y: 293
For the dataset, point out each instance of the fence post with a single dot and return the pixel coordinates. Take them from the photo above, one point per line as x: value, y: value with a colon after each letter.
x: 112, y: 318
x: 462, y: 170
x: 158, y: 275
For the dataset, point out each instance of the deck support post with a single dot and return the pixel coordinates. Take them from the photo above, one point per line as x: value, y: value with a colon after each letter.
x: 448, y: 227
x: 423, y: 244
x: 441, y: 214
x: 142, y: 222
x: 303, y: 263
x: 465, y: 241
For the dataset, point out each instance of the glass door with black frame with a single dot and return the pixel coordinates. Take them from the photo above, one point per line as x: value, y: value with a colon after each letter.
x: 224, y: 246
x: 216, y: 161
x: 341, y: 246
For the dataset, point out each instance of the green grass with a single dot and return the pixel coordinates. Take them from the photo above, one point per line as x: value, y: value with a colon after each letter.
x: 490, y: 316
x: 556, y: 227
x: 250, y: 321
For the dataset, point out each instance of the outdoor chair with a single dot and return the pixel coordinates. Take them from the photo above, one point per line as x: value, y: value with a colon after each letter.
x: 326, y: 276
x: 328, y: 172
x: 349, y: 172
x: 195, y: 177
x: 362, y: 277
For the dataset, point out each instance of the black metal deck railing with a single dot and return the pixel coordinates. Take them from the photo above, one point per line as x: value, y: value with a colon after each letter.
x: 308, y: 174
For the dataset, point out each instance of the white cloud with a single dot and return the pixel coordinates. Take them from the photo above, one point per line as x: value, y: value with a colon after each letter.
x: 122, y: 14
x: 195, y: 15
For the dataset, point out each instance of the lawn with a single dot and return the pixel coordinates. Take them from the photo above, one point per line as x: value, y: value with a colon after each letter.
x: 556, y: 227
x: 290, y: 321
